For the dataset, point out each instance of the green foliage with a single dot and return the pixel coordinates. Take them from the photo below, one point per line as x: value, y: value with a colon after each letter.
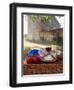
x: 42, y: 18
x: 57, y: 40
x: 25, y: 52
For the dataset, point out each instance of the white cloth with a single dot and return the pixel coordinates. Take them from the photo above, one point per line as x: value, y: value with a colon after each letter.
x: 48, y: 58
x: 41, y: 53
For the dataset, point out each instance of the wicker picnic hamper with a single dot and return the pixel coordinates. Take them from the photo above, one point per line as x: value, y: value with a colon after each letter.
x: 48, y: 68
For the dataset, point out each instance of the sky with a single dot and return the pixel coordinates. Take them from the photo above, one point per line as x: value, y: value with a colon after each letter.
x: 60, y: 20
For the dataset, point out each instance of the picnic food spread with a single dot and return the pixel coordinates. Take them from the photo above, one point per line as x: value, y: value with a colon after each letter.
x: 36, y: 56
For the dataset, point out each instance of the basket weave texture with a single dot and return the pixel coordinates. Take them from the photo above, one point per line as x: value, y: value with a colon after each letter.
x: 48, y: 68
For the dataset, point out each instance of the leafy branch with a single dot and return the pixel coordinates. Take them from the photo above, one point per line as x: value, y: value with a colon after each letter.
x: 42, y: 18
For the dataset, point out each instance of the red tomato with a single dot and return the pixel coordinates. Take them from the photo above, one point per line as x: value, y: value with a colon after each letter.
x: 29, y: 60
x: 36, y: 59
x: 33, y: 60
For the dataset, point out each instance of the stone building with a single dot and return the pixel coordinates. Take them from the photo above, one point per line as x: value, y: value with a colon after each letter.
x: 38, y: 30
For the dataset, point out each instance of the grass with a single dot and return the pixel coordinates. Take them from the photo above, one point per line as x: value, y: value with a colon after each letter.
x: 31, y: 45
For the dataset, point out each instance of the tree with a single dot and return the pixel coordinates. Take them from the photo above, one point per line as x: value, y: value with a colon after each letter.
x: 57, y: 40
x: 42, y: 18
